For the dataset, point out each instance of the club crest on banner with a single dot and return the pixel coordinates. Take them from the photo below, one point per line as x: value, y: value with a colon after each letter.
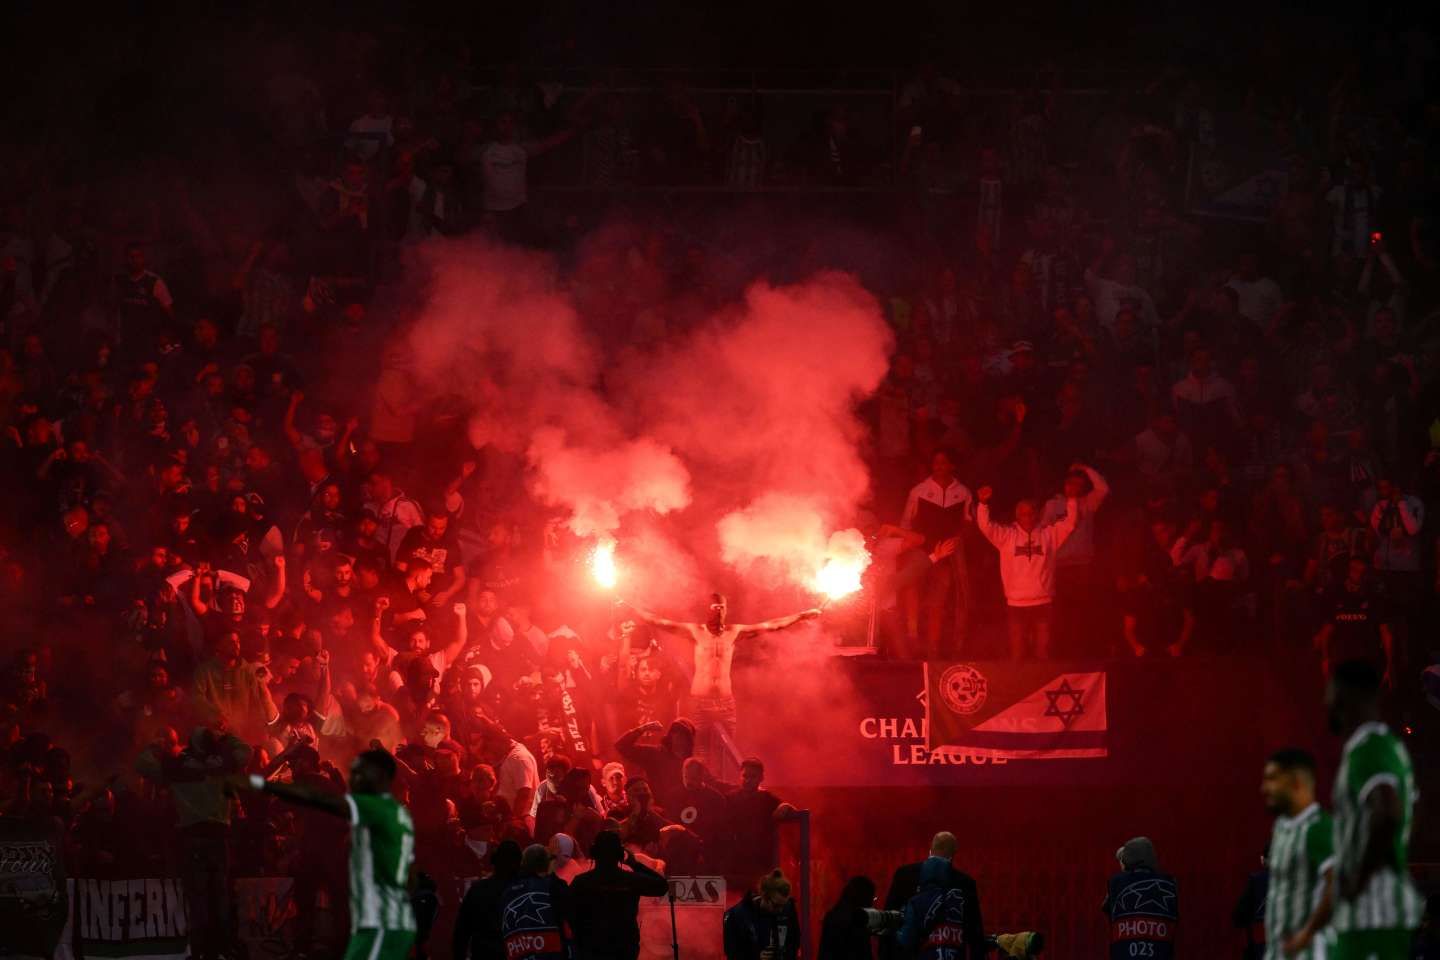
x: 964, y: 689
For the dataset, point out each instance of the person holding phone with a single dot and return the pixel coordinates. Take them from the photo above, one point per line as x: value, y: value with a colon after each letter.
x: 764, y: 925
x: 605, y: 901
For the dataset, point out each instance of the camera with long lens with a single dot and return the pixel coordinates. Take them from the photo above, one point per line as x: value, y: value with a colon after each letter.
x: 1016, y: 945
x: 883, y: 921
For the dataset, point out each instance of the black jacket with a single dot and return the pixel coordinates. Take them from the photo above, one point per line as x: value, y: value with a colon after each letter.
x: 845, y: 934
x: 477, y: 928
x: 1249, y: 914
x: 604, y: 904
x: 662, y: 767
x: 534, y: 914
x: 906, y: 883
x: 750, y: 930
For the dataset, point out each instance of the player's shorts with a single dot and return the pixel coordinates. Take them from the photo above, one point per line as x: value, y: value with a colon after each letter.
x: 371, y: 944
x: 1372, y: 945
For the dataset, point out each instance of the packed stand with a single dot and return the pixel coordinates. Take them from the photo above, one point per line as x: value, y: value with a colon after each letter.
x: 1127, y: 430
x: 1109, y: 429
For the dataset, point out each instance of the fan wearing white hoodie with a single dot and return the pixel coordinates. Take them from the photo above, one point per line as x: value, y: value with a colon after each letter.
x: 1027, y: 568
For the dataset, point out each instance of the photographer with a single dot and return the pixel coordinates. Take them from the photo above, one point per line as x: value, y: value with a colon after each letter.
x: 943, y: 919
x: 477, y: 927
x: 1142, y: 904
x: 605, y: 902
x: 845, y: 933
x: 906, y: 884
x: 764, y: 924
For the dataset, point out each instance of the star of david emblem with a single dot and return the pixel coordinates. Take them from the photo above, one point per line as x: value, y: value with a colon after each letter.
x: 530, y: 909
x: 1067, y: 714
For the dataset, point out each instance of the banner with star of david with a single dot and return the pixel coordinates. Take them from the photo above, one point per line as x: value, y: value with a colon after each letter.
x: 1034, y: 711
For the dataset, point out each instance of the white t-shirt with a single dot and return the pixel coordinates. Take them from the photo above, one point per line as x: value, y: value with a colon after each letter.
x: 502, y: 167
x: 1110, y: 296
x: 1259, y: 298
x: 516, y: 772
x: 534, y: 636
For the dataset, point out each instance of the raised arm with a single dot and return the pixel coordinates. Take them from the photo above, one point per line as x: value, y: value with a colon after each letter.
x: 109, y: 467
x: 462, y: 635
x: 993, y: 532
x: 625, y: 746
x: 622, y: 660
x: 43, y: 471
x: 197, y: 603
x: 342, y: 446
x: 307, y: 583
x: 648, y: 883
x: 660, y: 622
x: 778, y: 623
x: 452, y: 489
x: 1099, y: 489
x: 549, y: 143
x: 1066, y: 524
x: 908, y: 538
x: 322, y: 800
x: 322, y: 695
x: 377, y: 631
x: 1180, y: 549
x: 282, y: 758
x: 287, y: 425
x: 1012, y: 439
x: 276, y: 593
x: 267, y: 701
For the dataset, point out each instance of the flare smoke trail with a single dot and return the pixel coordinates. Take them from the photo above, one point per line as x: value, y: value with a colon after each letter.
x: 742, y: 428
x: 761, y: 403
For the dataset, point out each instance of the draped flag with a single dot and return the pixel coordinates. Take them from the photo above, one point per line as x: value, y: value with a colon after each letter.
x: 1036, y: 711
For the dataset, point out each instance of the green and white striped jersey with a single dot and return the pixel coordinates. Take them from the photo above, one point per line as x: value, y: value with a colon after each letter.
x: 1301, y: 850
x: 1374, y: 756
x: 382, y: 848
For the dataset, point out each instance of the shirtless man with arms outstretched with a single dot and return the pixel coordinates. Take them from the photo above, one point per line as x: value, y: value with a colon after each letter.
x: 712, y: 697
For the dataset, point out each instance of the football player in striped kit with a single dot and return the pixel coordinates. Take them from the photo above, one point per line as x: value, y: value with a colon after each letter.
x: 1370, y: 901
x: 1301, y: 851
x: 382, y: 853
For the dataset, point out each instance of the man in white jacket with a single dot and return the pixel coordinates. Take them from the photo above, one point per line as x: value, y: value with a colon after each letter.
x: 1027, y: 568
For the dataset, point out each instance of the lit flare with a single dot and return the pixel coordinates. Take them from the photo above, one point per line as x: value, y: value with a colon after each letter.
x: 841, y: 576
x: 602, y: 564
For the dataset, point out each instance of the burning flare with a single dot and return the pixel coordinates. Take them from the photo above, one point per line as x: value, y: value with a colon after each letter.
x: 845, y: 564
x: 602, y: 564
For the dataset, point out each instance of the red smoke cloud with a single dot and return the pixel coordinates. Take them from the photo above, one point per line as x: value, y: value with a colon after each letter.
x: 600, y: 486
x: 761, y: 403
x: 750, y: 413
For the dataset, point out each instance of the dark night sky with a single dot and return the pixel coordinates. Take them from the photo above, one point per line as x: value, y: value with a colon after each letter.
x: 139, y: 73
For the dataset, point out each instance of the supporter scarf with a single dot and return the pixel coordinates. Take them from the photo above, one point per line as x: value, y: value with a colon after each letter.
x: 572, y: 722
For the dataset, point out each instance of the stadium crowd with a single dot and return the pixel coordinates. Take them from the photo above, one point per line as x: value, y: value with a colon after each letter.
x: 228, y: 550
